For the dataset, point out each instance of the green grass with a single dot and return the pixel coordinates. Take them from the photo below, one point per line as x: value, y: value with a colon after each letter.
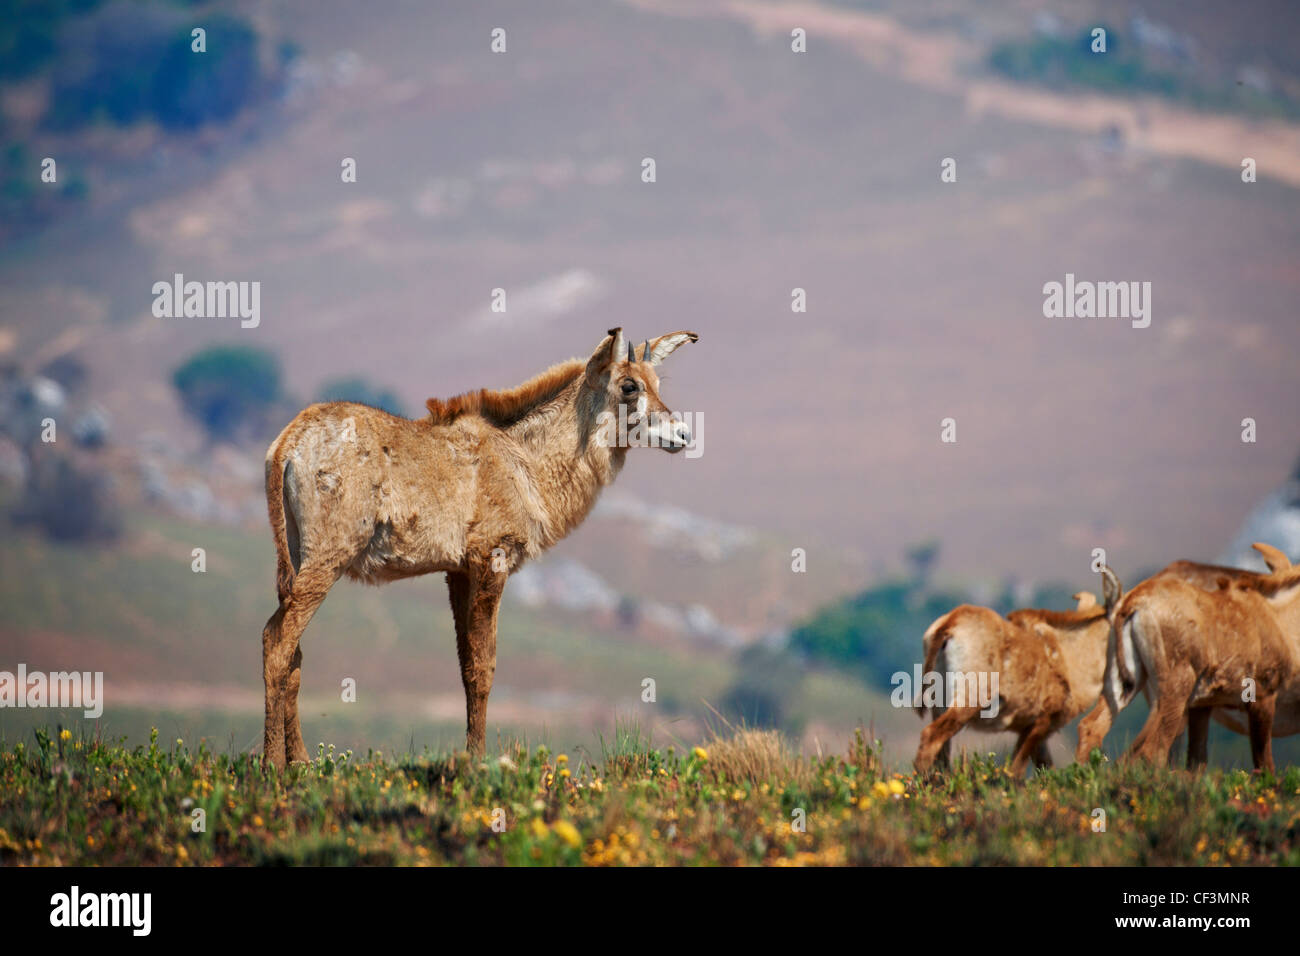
x: 66, y: 800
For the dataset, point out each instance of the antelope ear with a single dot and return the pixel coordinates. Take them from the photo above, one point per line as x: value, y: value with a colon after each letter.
x: 607, y: 353
x: 1087, y: 600
x: 1275, y: 559
x: 659, y: 349
x: 1111, y: 589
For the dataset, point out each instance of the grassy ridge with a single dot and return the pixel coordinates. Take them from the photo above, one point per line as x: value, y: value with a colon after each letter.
x: 738, y: 800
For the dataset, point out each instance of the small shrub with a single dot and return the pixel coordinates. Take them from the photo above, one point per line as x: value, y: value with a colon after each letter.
x: 68, y: 504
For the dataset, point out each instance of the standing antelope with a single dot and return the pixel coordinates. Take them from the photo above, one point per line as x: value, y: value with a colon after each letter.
x: 1193, y: 650
x: 1209, y: 577
x: 486, y: 481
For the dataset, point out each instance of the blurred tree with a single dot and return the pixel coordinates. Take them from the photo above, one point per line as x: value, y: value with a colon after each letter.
x: 767, y: 680
x: 230, y: 390
x: 130, y: 62
x: 29, y: 32
x: 878, y: 631
x: 190, y: 89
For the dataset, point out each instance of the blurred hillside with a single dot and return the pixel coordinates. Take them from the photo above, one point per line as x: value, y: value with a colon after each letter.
x: 776, y: 170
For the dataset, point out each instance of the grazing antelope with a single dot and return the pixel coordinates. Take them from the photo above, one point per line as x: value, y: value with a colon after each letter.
x: 1194, y: 650
x: 486, y: 481
x: 1208, y: 577
x: 1049, y: 664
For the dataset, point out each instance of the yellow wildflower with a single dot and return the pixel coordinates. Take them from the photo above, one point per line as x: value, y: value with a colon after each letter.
x: 567, y: 832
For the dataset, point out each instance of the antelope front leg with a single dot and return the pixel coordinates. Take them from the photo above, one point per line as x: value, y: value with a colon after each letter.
x: 944, y: 760
x: 1028, y: 745
x: 1094, y: 727
x: 1042, y: 756
x: 477, y: 650
x: 1198, y: 733
x: 1260, y: 716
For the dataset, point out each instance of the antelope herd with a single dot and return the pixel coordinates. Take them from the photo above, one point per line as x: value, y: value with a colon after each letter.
x: 490, y: 479
x: 1198, y: 640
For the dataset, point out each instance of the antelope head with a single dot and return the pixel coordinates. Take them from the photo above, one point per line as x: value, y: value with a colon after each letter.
x: 623, y: 376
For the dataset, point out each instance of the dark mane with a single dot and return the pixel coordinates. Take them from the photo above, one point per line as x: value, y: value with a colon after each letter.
x: 504, y: 407
x: 1270, y: 584
x: 1194, y: 570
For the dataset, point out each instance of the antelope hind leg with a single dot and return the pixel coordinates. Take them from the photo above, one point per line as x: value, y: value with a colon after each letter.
x: 280, y: 654
x: 294, y: 746
x: 939, y: 731
x: 273, y: 751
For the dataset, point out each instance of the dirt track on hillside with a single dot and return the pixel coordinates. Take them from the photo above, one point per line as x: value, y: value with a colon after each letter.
x: 944, y: 63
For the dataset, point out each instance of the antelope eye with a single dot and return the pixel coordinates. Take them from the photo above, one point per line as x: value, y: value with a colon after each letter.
x: 629, y: 388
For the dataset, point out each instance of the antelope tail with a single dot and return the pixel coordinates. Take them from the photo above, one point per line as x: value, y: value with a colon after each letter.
x: 277, y: 510
x: 935, y: 639
x: 1122, y: 628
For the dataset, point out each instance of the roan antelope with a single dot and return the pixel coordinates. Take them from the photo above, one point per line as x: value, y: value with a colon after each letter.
x: 1049, y: 665
x: 486, y: 481
x: 1193, y: 650
x: 1286, y: 718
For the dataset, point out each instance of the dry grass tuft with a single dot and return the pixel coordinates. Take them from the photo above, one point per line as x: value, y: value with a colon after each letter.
x: 753, y: 755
